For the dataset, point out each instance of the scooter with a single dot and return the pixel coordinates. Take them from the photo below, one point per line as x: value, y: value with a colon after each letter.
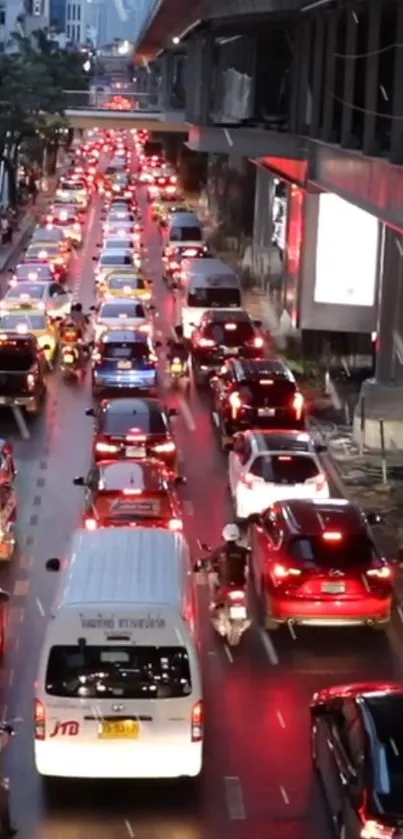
x: 71, y: 363
x: 231, y: 618
x: 178, y: 370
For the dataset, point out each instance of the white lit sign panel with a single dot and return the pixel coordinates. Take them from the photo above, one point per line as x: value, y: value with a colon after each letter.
x: 346, y: 254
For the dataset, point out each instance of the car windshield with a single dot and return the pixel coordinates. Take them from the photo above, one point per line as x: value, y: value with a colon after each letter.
x: 16, y: 356
x: 186, y: 234
x: 285, y: 468
x: 119, y: 244
x: 37, y: 252
x: 122, y: 310
x: 126, y: 352
x: 115, y: 506
x: 120, y: 421
x: 348, y: 551
x: 30, y: 291
x: 116, y: 259
x: 72, y: 185
x: 35, y: 323
x: 270, y: 391
x: 231, y: 333
x: 33, y: 272
x: 117, y: 283
x: 213, y: 298
x: 124, y: 672
x: 387, y: 715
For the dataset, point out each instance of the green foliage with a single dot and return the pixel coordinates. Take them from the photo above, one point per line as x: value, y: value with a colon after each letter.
x: 32, y: 80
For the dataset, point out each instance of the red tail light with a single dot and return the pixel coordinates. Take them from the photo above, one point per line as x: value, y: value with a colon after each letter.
x: 236, y: 595
x: 197, y: 722
x: 206, y: 342
x: 373, y: 830
x: 165, y: 448
x: 382, y: 573
x: 258, y: 343
x: 235, y: 402
x: 39, y: 720
x: 106, y: 448
x: 175, y: 525
x: 298, y: 405
x: 91, y: 524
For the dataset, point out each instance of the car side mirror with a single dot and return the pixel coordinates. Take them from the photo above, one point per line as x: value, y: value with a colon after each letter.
x: 258, y: 323
x: 180, y: 480
x: 53, y: 564
x: 4, y: 596
x: 90, y: 412
x: 374, y: 518
x: 79, y: 482
x: 173, y: 412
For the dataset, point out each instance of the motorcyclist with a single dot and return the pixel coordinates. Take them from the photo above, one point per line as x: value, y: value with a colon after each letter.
x: 230, y: 563
x: 73, y: 329
x: 178, y: 347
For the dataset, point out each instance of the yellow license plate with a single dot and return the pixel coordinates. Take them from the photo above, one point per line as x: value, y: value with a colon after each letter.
x: 119, y: 730
x: 124, y: 365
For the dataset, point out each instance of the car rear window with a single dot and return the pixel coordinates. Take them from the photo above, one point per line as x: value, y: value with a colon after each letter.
x: 123, y: 282
x: 285, y: 468
x: 230, y: 333
x: 135, y: 352
x: 71, y: 185
x: 121, y: 671
x: 350, y: 550
x: 118, y: 421
x: 186, y: 234
x: 16, y: 358
x: 128, y: 310
x: 28, y: 292
x: 269, y: 391
x: 32, y: 322
x: 116, y: 259
x: 33, y: 272
x: 215, y: 298
x: 119, y: 243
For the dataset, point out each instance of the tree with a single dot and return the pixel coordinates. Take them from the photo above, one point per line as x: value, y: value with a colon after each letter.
x: 33, y: 78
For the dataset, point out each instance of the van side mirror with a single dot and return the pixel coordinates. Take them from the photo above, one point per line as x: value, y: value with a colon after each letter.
x: 318, y: 711
x: 90, y: 412
x: 53, y: 564
x: 374, y: 518
x: 4, y: 596
x: 79, y: 482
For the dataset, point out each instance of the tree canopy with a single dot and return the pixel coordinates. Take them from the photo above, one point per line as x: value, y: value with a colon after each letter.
x: 33, y: 78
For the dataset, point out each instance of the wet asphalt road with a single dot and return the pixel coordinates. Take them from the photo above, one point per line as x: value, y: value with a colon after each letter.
x: 257, y: 780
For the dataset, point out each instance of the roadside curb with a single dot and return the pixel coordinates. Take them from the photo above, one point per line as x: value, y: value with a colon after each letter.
x: 22, y: 235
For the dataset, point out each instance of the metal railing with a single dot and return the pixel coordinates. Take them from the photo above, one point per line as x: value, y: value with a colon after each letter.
x: 95, y: 100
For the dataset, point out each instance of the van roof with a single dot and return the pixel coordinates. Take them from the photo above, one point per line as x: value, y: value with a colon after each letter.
x: 208, y: 268
x: 185, y: 220
x: 124, y: 566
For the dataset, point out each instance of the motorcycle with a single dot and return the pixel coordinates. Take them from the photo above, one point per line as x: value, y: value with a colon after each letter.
x: 71, y: 361
x: 178, y: 370
x: 231, y: 618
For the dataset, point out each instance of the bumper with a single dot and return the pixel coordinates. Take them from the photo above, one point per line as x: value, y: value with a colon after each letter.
x: 103, y: 386
x: 328, y: 613
x: 27, y: 402
x: 133, y: 761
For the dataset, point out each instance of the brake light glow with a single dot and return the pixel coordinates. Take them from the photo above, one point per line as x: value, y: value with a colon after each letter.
x: 332, y: 536
x: 235, y: 402
x: 236, y: 595
x: 175, y: 525
x: 266, y: 382
x: 383, y: 573
x: 197, y: 722
x: 30, y: 381
x: 247, y: 479
x: 39, y: 720
x: 32, y: 275
x: 49, y: 218
x: 206, y: 342
x: 173, y: 265
x: 298, y: 405
x: 165, y: 448
x: 42, y: 255
x: 145, y: 327
x: 374, y: 830
x: 22, y: 328
x: 280, y: 572
x: 190, y: 252
x: 285, y: 457
x: 90, y: 524
x: 258, y: 342
x: 131, y: 492
x: 170, y: 190
x: 106, y: 448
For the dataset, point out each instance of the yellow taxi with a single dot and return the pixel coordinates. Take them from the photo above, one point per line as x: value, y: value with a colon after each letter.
x: 129, y: 286
x: 33, y: 323
x: 50, y: 252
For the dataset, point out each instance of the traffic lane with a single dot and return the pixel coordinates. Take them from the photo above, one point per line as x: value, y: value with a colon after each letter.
x: 61, y: 505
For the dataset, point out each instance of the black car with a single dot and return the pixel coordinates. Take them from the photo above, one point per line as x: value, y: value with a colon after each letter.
x: 125, y: 362
x: 23, y: 370
x: 134, y: 429
x: 256, y: 393
x: 223, y: 334
x: 357, y: 743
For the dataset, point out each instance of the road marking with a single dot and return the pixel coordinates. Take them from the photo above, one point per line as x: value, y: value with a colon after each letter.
x: 20, y: 422
x: 280, y: 718
x: 269, y: 647
x: 188, y: 508
x: 41, y: 610
x: 234, y: 799
x: 129, y: 829
x: 11, y: 677
x: 284, y: 795
x: 187, y: 414
x: 21, y: 588
x: 228, y: 654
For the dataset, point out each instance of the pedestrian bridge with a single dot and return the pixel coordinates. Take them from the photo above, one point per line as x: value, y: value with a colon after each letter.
x: 89, y: 109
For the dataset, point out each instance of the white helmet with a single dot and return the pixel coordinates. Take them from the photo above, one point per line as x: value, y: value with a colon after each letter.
x: 231, y: 533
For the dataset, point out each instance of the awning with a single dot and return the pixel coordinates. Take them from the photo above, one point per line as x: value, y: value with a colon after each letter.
x: 247, y: 142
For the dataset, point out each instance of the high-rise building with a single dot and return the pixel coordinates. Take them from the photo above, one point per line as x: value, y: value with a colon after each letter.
x: 117, y: 19
x: 57, y: 14
x: 76, y: 21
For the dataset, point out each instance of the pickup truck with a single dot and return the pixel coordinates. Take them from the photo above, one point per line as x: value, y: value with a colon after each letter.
x: 22, y: 372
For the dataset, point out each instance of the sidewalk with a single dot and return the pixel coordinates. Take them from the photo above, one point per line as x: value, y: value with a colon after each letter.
x: 26, y: 225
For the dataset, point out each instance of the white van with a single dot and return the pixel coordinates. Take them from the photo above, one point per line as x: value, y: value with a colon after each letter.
x: 206, y: 284
x: 119, y: 691
x: 184, y: 230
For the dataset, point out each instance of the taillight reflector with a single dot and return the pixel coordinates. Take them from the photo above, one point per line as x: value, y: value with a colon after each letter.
x: 197, y: 722
x: 175, y: 525
x: 39, y: 720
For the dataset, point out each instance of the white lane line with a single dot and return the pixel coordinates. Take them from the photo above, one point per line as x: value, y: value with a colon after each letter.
x: 129, y: 829
x: 234, y: 799
x: 188, y: 508
x: 228, y: 653
x: 187, y: 414
x: 11, y: 677
x: 269, y: 647
x: 41, y: 610
x: 90, y: 219
x: 284, y: 795
x: 280, y: 718
x: 399, y: 610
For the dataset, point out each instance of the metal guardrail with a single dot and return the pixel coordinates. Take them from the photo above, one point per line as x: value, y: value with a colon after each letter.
x: 113, y: 102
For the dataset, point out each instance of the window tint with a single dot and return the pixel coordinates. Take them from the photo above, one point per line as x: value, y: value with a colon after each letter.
x: 120, y: 421
x: 125, y: 672
x: 33, y: 322
x: 16, y: 358
x: 186, y: 234
x: 349, y: 552
x: 230, y: 334
x: 34, y: 292
x: 285, y: 469
x: 387, y: 716
x: 211, y: 298
x: 129, y: 310
x: 116, y: 259
x: 137, y: 351
x: 123, y: 282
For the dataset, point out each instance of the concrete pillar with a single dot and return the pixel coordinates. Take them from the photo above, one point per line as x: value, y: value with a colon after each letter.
x: 349, y: 79
x: 330, y: 75
x: 317, y: 87
x: 165, y: 87
x: 372, y: 77
x: 382, y: 397
x: 396, y: 142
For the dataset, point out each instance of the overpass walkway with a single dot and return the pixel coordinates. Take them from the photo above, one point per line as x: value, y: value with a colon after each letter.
x: 89, y: 109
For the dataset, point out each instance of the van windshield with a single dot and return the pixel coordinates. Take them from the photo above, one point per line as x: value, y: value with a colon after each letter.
x: 215, y: 298
x: 120, y: 671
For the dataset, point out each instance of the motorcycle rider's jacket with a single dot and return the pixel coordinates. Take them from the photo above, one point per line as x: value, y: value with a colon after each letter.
x: 178, y: 349
x: 230, y: 562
